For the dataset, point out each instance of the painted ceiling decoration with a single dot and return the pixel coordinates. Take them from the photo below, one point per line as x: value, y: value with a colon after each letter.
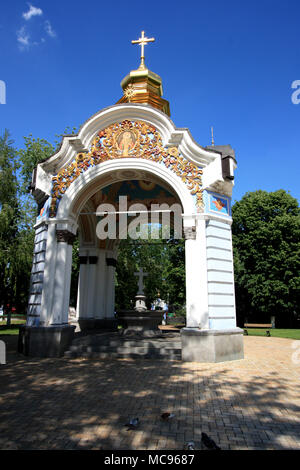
x: 136, y: 191
x: 128, y: 139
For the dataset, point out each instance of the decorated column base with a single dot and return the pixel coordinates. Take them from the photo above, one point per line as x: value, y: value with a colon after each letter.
x: 50, y: 341
x: 212, y: 345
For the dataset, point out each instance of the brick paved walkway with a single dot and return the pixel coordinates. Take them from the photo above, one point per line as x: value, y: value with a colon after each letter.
x: 83, y: 404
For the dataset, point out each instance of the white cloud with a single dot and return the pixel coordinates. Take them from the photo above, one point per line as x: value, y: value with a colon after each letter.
x: 34, y: 33
x: 49, y: 30
x: 33, y: 11
x: 23, y: 38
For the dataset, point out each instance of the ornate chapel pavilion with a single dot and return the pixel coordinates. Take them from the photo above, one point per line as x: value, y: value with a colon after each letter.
x: 132, y: 144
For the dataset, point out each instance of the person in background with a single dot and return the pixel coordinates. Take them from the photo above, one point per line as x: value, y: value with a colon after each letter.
x: 165, y: 316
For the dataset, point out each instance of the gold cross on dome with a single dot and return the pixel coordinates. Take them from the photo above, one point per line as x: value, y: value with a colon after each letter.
x: 143, y: 41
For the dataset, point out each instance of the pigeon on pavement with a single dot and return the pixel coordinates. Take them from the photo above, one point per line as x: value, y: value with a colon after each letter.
x: 167, y: 416
x: 190, y: 445
x: 208, y: 442
x: 133, y: 423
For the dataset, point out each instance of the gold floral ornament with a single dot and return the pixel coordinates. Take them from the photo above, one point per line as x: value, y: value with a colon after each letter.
x: 129, y: 91
x: 128, y: 139
x: 190, y: 174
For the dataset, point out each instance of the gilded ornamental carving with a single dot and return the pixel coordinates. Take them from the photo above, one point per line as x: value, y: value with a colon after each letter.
x: 128, y: 139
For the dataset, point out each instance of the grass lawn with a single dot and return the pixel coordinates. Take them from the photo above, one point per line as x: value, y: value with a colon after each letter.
x: 13, y: 329
x: 9, y: 331
x: 276, y: 332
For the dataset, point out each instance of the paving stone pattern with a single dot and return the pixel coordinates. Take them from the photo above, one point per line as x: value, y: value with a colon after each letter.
x: 108, y: 345
x: 84, y: 403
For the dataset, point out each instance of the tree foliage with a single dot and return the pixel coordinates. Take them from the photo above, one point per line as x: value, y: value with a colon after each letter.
x: 17, y: 217
x: 16, y: 236
x: 35, y: 151
x: 164, y: 262
x: 266, y: 243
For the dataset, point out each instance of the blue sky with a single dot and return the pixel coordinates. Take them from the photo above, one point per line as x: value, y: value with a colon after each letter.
x: 227, y: 64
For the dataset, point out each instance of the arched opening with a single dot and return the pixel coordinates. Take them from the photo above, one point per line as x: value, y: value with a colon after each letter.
x: 145, y: 217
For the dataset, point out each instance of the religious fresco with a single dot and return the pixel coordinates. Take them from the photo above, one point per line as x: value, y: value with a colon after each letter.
x: 214, y: 203
x: 128, y: 139
x: 45, y: 210
x: 126, y: 142
x: 136, y: 191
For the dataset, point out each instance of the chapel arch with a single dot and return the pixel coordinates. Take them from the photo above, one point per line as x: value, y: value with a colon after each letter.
x: 98, y: 258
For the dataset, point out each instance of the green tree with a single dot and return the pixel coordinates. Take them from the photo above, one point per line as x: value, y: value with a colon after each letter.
x: 14, y: 238
x: 18, y: 212
x: 35, y: 151
x: 165, y: 264
x: 126, y: 283
x: 174, y: 272
x: 266, y: 244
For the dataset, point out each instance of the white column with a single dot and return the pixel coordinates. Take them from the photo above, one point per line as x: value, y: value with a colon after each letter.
x: 62, y: 281
x: 92, y: 283
x: 110, y: 285
x: 196, y: 276
x: 37, y: 274
x: 49, y: 275
x: 81, y: 311
x: 57, y: 276
x: 100, y: 298
x: 221, y: 293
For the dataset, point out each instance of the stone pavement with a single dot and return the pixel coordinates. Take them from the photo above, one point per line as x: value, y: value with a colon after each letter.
x: 84, y: 403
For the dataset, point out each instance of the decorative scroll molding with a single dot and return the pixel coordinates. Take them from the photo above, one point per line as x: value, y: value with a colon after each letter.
x: 128, y: 139
x: 65, y: 236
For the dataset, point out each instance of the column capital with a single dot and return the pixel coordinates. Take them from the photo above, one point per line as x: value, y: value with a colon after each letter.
x: 65, y: 236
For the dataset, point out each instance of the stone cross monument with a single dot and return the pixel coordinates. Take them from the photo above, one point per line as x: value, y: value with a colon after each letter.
x: 141, y: 276
x: 140, y: 298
